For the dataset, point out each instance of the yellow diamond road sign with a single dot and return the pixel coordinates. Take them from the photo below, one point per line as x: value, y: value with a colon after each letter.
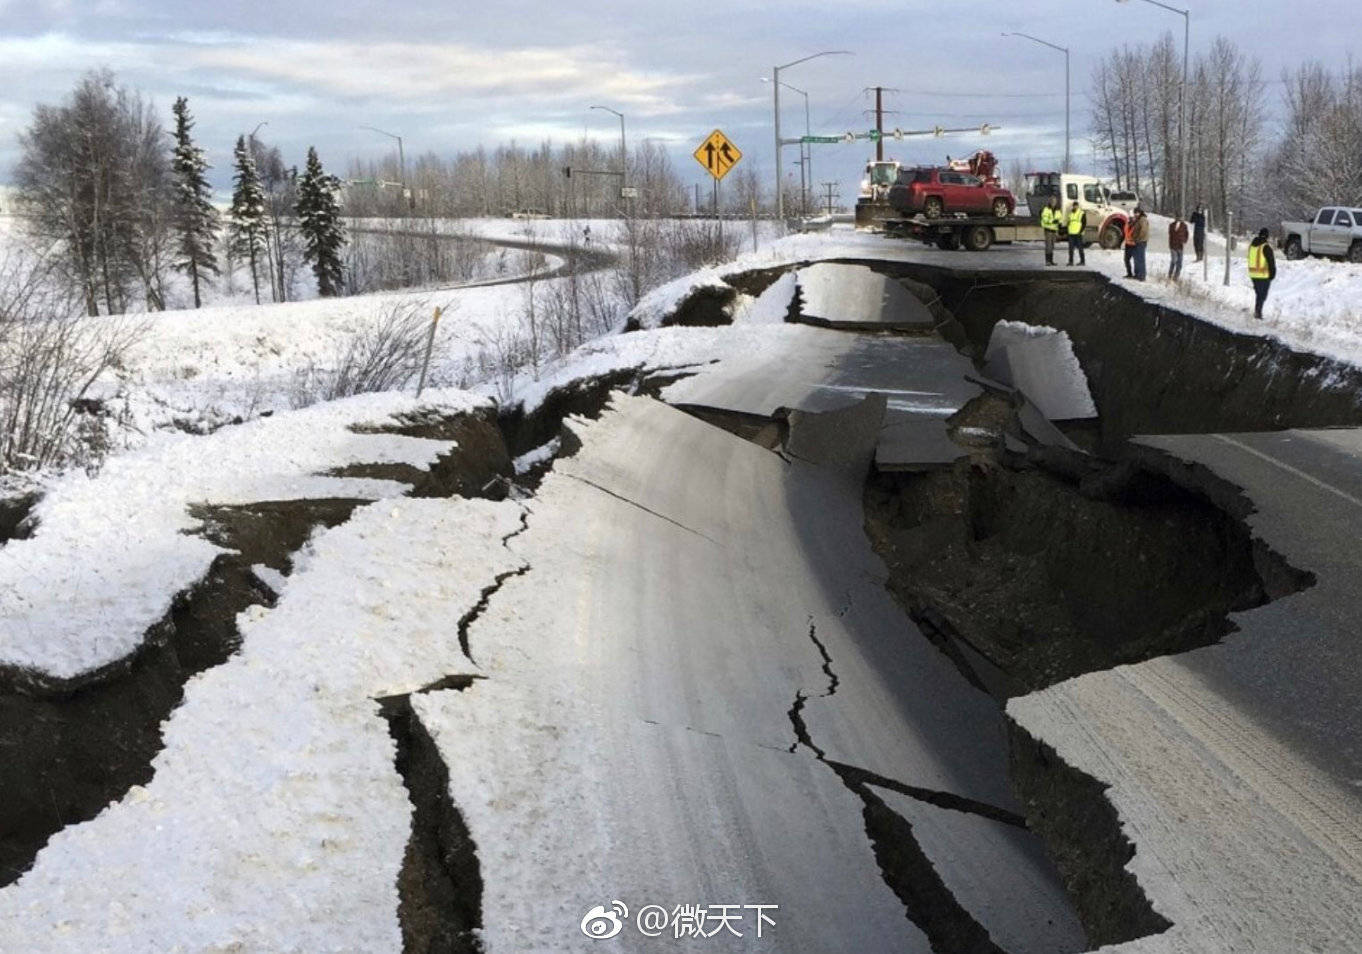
x: 717, y: 154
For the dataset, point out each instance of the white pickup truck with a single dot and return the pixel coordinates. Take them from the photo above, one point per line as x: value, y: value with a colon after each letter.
x: 1335, y: 231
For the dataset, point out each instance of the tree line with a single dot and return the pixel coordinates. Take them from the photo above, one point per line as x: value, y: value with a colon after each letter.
x: 572, y: 180
x: 1235, y: 162
x: 121, y: 204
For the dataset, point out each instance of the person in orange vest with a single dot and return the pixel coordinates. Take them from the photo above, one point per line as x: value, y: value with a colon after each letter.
x: 1262, y: 269
x: 1129, y: 246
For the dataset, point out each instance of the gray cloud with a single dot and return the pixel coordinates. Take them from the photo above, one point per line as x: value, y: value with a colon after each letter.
x: 448, y: 76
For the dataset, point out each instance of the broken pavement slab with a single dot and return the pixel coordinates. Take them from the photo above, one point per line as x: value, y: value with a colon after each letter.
x: 844, y: 439
x: 913, y: 445
x: 814, y: 369
x: 856, y: 298
x: 1040, y: 362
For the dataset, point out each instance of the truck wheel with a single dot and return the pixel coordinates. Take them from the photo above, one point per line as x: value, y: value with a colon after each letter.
x: 948, y: 241
x: 1111, y: 238
x: 978, y: 238
x: 1355, y: 253
x: 934, y: 208
x: 1000, y: 209
x: 1293, y: 248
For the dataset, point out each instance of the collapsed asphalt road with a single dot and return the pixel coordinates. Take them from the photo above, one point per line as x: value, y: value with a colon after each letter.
x: 838, y: 636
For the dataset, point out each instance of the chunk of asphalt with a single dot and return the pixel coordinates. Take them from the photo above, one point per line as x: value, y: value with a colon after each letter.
x: 855, y: 298
x: 843, y: 440
x: 1040, y: 362
x: 913, y: 444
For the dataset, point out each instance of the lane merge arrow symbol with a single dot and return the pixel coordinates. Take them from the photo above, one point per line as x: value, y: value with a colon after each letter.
x: 717, y: 154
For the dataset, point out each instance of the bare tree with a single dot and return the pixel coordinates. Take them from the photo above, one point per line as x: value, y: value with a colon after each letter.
x: 50, y: 358
x: 93, y: 176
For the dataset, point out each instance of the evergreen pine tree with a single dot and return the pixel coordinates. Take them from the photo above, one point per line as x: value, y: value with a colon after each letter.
x: 320, y: 223
x: 196, y: 221
x: 246, y: 218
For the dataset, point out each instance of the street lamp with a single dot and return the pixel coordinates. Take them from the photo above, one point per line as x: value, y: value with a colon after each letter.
x: 624, y: 153
x: 401, y: 157
x: 1065, y: 51
x: 775, y: 92
x: 251, y: 137
x: 1182, y: 100
x: 805, y: 149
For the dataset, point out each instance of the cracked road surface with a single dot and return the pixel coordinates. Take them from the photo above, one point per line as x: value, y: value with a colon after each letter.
x: 636, y: 739
x: 1236, y: 767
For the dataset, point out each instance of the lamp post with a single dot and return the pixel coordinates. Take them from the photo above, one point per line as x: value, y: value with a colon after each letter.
x: 775, y: 92
x: 1182, y: 101
x: 1065, y: 51
x: 624, y: 154
x: 401, y: 157
x: 805, y: 151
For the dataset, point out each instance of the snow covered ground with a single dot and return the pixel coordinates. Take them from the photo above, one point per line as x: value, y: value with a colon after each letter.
x: 1315, y: 304
x: 275, y: 821
x: 111, y: 551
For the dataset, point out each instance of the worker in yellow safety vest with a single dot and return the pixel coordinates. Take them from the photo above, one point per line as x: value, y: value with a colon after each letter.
x: 1077, y: 221
x: 1051, y: 218
x: 1262, y: 269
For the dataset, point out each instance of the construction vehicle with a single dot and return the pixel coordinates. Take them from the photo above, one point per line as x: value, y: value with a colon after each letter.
x: 1106, y: 223
x: 872, y: 205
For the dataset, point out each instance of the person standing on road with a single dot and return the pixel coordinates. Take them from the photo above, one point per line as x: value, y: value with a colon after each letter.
x: 1128, y: 245
x: 1051, y: 218
x: 1076, y: 222
x: 1141, y: 236
x: 1262, y: 269
x: 1199, y: 231
x: 1177, y: 240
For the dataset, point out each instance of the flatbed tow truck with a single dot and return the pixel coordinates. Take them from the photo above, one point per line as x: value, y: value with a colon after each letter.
x: 978, y: 233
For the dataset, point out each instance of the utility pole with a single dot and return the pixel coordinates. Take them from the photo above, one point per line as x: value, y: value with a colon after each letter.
x: 879, y: 123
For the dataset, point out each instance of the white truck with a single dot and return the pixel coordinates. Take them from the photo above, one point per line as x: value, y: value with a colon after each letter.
x: 1335, y: 231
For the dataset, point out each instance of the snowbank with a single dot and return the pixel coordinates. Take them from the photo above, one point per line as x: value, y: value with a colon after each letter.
x: 112, y: 551
x: 1315, y: 304
x: 276, y: 820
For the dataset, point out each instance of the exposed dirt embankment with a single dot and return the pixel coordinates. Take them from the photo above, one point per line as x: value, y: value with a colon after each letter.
x: 1047, y: 575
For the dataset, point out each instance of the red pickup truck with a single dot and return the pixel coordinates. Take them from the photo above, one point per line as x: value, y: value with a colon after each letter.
x: 936, y: 192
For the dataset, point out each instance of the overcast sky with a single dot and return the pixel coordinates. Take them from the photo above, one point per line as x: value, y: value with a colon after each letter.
x: 451, y: 75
